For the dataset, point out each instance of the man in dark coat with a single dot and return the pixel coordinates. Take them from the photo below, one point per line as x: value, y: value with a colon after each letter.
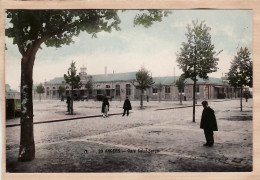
x: 208, y: 123
x: 105, y: 107
x: 68, y: 103
x: 127, y: 106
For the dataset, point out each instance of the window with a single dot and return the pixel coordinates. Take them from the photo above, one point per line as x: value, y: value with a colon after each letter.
x: 167, y: 89
x: 181, y: 91
x: 67, y: 87
x: 107, y: 86
x: 155, y: 91
x: 198, y: 89
x: 128, y: 89
x: 117, y: 90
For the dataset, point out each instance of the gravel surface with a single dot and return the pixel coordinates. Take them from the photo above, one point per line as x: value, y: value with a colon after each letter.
x: 145, y: 141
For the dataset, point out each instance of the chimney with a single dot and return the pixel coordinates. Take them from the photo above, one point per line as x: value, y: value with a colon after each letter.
x: 105, y: 70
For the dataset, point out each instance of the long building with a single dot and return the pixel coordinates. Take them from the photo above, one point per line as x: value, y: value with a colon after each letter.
x: 120, y: 85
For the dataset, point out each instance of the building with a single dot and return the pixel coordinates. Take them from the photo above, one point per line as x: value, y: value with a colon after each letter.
x: 12, y: 102
x: 120, y: 85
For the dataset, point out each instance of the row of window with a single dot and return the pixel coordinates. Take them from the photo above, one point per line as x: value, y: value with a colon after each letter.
x: 128, y: 90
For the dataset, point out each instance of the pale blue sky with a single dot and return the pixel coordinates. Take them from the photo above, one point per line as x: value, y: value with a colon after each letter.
x: 127, y: 50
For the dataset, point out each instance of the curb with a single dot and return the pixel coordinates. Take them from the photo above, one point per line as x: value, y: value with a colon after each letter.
x: 67, y: 119
x: 93, y: 116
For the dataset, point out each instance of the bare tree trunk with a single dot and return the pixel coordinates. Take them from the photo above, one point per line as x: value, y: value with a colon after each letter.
x: 27, y: 146
x: 241, y: 91
x: 181, y: 98
x: 141, y: 102
x: 71, y: 104
x: 194, y: 91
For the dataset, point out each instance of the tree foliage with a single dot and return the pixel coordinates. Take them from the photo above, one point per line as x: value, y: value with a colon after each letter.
x: 180, y: 83
x: 197, y: 55
x: 40, y: 89
x: 61, y: 90
x: 73, y: 80
x: 241, y: 70
x: 144, y: 81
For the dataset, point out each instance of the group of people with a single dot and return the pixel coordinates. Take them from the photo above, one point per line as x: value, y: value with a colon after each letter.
x: 105, y: 107
x: 208, y: 119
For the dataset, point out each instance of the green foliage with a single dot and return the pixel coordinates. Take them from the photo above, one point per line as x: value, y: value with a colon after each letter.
x: 72, y: 79
x: 144, y: 79
x: 57, y: 27
x: 40, y: 89
x: 61, y: 90
x: 89, y: 84
x: 241, y: 71
x: 148, y: 17
x: 180, y: 83
x: 197, y: 55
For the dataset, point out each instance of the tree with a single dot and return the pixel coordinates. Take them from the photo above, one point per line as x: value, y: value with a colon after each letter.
x: 31, y: 28
x: 89, y: 84
x: 145, y: 81
x: 241, y: 71
x: 74, y: 81
x: 40, y: 90
x: 61, y: 90
x: 197, y: 57
x: 180, y: 83
x: 160, y: 87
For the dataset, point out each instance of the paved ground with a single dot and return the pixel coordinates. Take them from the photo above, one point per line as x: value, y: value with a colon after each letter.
x: 146, y: 141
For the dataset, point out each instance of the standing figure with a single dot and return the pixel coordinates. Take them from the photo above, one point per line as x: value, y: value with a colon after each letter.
x: 147, y: 98
x: 246, y: 96
x: 68, y: 103
x: 127, y: 106
x: 105, y: 107
x: 208, y: 123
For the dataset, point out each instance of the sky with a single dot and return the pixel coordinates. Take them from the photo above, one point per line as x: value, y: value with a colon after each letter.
x: 154, y: 48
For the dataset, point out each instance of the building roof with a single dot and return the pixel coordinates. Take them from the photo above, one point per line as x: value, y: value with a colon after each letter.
x: 172, y: 79
x: 57, y: 80
x: 166, y: 80
x: 102, y: 78
x: 114, y: 77
x: 11, y: 91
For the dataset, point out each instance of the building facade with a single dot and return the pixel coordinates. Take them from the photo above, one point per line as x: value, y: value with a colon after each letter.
x: 119, y: 85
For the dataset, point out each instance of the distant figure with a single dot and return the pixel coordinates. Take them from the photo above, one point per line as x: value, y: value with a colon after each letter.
x: 68, y: 103
x: 105, y: 107
x: 208, y: 123
x: 147, y: 98
x: 62, y: 98
x: 127, y: 106
x: 246, y: 96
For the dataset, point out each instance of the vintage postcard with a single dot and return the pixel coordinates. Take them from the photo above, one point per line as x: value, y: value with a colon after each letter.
x: 114, y: 90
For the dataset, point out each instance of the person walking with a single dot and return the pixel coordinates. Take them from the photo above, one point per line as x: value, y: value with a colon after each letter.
x: 208, y: 123
x: 68, y: 103
x: 127, y: 106
x: 105, y: 107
